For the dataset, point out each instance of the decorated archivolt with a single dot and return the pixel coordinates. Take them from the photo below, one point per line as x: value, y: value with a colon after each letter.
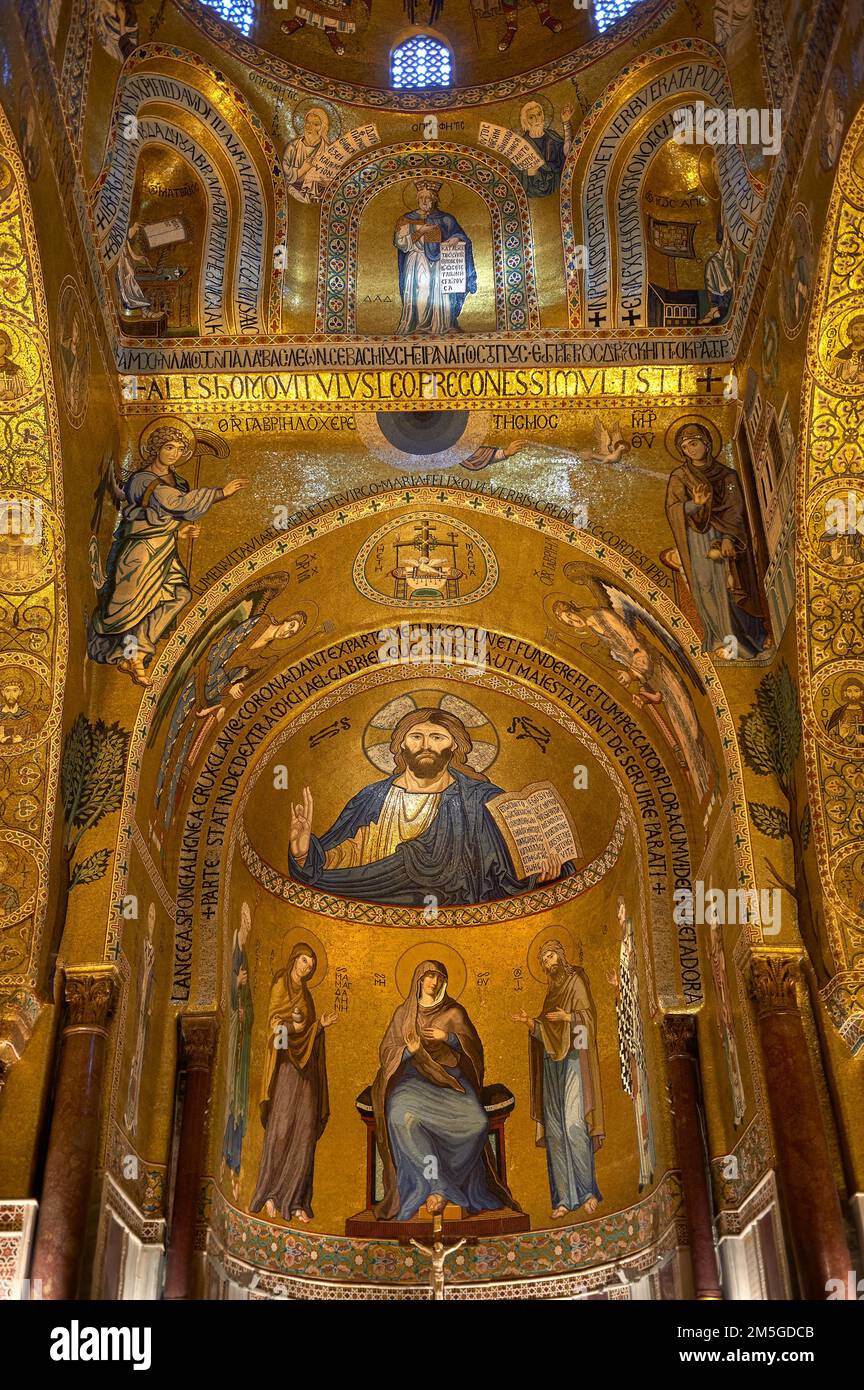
x: 831, y: 579
x: 33, y: 621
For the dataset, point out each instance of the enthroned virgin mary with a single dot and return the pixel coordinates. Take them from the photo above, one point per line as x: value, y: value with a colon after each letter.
x: 430, y: 1124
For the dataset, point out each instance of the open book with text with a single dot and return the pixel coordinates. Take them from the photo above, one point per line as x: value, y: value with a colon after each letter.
x: 535, y: 823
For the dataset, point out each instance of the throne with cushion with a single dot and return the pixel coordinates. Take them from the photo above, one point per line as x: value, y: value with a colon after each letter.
x: 498, y: 1103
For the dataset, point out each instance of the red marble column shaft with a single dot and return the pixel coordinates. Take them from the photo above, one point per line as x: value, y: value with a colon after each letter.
x: 198, y: 1043
x: 804, y: 1166
x: 74, y: 1137
x: 679, y: 1036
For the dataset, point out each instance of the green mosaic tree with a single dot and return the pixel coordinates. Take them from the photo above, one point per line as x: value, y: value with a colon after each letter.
x: 91, y: 785
x: 770, y: 736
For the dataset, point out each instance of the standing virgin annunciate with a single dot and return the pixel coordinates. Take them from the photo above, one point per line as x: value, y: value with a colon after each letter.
x: 430, y: 1124
x: 566, y: 1094
x: 707, y: 513
x: 295, y: 1104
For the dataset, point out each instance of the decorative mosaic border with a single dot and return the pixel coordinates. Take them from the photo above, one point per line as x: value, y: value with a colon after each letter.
x: 17, y: 1226
x: 268, y: 1285
x: 281, y: 71
x: 566, y: 1254
x: 25, y: 310
x: 830, y: 603
x: 516, y: 307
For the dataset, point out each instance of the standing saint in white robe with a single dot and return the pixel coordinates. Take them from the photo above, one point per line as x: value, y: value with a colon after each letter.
x: 146, y: 968
x: 631, y: 1045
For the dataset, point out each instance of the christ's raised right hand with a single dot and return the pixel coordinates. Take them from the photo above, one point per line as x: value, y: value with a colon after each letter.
x: 301, y: 827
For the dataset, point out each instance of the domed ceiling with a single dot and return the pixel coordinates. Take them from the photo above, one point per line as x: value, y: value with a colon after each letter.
x: 492, y: 42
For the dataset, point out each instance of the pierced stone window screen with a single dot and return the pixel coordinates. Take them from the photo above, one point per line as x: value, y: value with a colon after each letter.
x: 606, y: 12
x: 239, y: 13
x: 421, y: 62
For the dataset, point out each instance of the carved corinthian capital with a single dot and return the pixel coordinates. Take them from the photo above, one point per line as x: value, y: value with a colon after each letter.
x: 199, y: 1033
x: 679, y: 1034
x: 90, y: 995
x: 773, y: 981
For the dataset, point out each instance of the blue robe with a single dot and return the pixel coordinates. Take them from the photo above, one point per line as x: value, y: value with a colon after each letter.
x: 570, y: 1160
x: 427, y: 1122
x: 548, y: 178
x: 449, y: 228
x: 460, y: 858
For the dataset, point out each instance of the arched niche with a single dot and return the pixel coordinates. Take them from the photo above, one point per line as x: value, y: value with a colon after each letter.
x: 379, y: 178
x: 323, y: 711
x: 168, y: 99
x: 602, y: 183
x: 178, y: 231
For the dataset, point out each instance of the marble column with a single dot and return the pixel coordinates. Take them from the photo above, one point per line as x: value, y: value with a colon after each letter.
x: 804, y: 1167
x: 90, y: 993
x: 198, y: 1035
x: 679, y: 1037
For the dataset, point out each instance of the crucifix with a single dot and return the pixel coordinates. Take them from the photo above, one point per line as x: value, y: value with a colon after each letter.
x: 438, y: 1254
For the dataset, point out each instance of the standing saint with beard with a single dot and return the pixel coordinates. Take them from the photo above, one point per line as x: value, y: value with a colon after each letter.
x: 425, y: 829
x: 552, y: 147
x: 566, y: 1096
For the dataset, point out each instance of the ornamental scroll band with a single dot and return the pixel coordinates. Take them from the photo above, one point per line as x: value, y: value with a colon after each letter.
x: 429, y: 166
x: 831, y: 581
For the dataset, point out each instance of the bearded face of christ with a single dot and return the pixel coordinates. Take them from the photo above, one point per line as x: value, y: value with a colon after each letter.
x: 427, y: 750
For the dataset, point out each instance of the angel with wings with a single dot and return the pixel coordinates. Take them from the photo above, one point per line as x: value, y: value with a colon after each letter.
x: 145, y: 585
x: 242, y: 641
x: 653, y: 675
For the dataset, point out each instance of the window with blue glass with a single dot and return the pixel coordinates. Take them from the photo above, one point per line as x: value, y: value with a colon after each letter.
x: 239, y: 13
x: 421, y: 62
x: 606, y: 12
